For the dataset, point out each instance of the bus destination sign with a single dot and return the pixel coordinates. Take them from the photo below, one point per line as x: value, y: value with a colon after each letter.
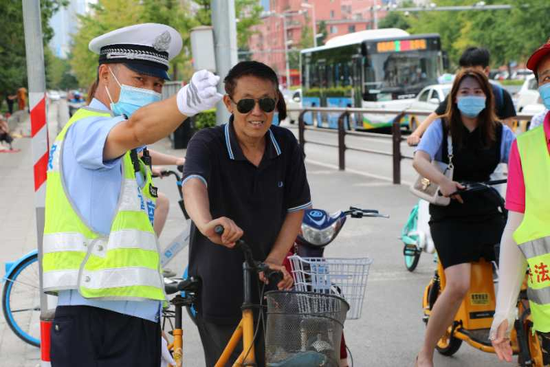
x: 402, y: 45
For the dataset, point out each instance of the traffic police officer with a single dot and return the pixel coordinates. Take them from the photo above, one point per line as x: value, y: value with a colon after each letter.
x: 101, y: 255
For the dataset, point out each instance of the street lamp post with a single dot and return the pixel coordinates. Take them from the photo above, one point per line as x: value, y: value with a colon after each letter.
x: 286, y: 53
x: 314, y: 25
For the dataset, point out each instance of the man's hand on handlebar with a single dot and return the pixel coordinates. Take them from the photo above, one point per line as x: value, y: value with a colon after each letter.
x: 449, y: 188
x: 157, y: 171
x: 286, y: 283
x: 231, y: 232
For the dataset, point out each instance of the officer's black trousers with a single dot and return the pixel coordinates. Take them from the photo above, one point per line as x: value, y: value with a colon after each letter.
x: 93, y: 337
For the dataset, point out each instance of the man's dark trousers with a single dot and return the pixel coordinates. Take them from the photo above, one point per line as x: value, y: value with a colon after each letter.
x: 86, y: 336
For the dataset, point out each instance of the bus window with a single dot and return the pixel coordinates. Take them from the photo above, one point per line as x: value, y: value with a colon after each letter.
x: 322, y: 74
x: 330, y: 76
x: 346, y: 78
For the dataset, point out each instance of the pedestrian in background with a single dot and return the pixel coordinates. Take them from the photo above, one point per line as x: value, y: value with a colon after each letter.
x: 22, y: 98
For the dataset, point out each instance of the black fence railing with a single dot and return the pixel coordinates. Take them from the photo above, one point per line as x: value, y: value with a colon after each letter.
x: 396, y: 136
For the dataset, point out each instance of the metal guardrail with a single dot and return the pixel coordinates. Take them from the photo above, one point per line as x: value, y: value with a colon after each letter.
x: 341, y: 131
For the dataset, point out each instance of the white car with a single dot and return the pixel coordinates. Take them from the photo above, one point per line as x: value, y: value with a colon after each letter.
x: 528, y: 93
x: 427, y: 100
x: 54, y: 95
x: 294, y: 100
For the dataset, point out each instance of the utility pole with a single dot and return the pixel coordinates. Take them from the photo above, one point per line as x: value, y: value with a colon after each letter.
x: 225, y: 44
x: 40, y: 147
x: 286, y: 53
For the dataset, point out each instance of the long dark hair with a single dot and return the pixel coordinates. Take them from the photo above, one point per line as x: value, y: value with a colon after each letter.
x: 487, y: 120
x: 259, y: 70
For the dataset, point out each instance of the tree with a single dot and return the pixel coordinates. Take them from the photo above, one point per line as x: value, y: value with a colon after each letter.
x: 247, y: 12
x: 510, y: 35
x: 13, y: 65
x: 394, y: 20
x: 58, y: 72
x: 323, y: 30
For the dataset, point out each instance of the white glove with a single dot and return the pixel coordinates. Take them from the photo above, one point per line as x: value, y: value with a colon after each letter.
x: 511, y: 273
x: 166, y: 359
x: 200, y: 94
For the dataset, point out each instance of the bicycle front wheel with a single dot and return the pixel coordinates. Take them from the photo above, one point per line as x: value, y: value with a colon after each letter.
x: 21, y: 301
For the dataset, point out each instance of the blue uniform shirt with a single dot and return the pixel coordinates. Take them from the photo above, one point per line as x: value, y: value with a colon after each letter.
x: 93, y: 186
x: 432, y: 142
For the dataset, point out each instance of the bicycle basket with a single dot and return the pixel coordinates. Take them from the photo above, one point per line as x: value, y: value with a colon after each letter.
x: 304, y: 328
x: 342, y: 277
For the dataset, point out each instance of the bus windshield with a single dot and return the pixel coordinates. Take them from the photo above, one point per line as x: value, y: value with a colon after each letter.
x: 389, y: 76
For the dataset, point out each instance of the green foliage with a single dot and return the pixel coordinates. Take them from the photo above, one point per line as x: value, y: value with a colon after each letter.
x: 205, y: 119
x: 13, y: 64
x: 510, y: 35
x: 246, y: 11
x: 394, y: 20
x: 329, y: 92
x: 323, y: 30
x: 58, y: 72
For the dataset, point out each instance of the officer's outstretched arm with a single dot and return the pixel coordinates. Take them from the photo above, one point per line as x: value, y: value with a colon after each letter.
x: 156, y: 120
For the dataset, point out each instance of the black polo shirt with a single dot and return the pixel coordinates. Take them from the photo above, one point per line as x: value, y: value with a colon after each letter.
x: 504, y: 106
x: 256, y: 198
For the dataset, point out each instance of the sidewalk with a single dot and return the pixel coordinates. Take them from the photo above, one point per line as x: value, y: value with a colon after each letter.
x: 18, y: 227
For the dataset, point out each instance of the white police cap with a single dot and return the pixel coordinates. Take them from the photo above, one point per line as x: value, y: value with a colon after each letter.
x: 145, y: 48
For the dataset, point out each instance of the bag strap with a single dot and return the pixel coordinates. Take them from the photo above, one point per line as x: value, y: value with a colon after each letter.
x: 450, y: 149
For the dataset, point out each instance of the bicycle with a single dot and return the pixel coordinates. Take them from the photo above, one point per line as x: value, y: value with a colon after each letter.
x: 21, y: 298
x: 245, y: 330
x: 475, y: 316
x: 416, y: 235
x: 21, y: 292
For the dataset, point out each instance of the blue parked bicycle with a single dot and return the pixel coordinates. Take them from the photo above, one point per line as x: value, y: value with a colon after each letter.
x: 21, y: 298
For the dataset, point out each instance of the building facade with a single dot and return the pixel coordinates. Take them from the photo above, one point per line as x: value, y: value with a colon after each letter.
x: 333, y: 17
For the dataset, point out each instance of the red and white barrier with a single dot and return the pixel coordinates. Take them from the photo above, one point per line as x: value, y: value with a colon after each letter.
x: 40, y: 152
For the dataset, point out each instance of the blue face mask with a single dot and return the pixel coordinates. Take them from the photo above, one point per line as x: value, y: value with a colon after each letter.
x: 544, y: 91
x: 471, y: 106
x: 131, y: 98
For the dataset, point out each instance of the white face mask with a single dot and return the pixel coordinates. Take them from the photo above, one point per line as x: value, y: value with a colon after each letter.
x: 131, y: 98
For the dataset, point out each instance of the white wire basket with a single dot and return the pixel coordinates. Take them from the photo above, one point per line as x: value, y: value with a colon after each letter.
x: 343, y: 277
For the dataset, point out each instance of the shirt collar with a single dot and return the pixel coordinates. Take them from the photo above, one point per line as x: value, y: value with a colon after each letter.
x: 234, y: 150
x: 98, y: 105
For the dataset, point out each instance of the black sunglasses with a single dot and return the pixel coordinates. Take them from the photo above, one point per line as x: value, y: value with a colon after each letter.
x: 246, y: 105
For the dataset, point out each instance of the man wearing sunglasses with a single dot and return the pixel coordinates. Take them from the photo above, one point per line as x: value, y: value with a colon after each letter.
x: 248, y: 176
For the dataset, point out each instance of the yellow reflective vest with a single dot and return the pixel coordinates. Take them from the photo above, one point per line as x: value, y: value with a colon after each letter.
x: 125, y: 265
x: 533, y: 234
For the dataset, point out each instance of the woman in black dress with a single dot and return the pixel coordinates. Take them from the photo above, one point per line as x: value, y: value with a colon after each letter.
x: 471, y: 225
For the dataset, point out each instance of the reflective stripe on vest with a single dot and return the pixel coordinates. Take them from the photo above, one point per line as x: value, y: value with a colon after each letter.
x: 533, y: 234
x: 125, y: 265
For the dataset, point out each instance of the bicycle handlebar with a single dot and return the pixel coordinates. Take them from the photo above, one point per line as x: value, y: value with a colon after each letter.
x: 190, y: 284
x: 273, y: 275
x: 479, y: 186
x: 360, y: 213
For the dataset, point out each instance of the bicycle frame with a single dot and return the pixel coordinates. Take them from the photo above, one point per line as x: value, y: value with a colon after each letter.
x: 245, y: 329
x: 181, y: 241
